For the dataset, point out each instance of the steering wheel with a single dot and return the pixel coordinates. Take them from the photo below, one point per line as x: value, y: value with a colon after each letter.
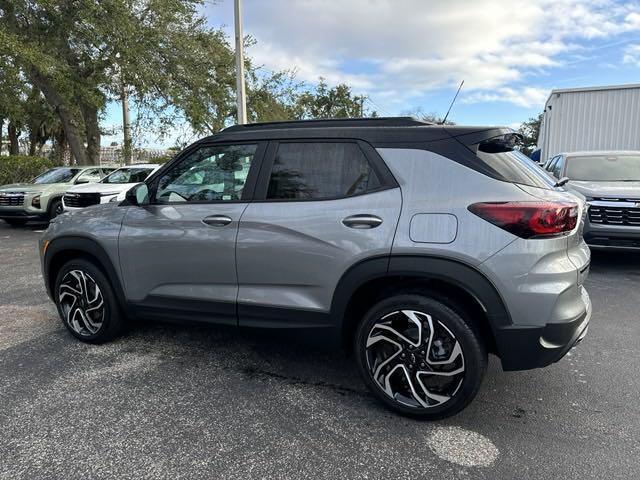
x: 206, y: 195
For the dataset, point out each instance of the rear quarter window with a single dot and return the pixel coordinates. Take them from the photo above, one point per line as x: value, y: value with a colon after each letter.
x: 514, y: 166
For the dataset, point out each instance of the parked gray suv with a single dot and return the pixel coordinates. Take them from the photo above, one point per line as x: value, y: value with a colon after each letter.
x: 423, y: 247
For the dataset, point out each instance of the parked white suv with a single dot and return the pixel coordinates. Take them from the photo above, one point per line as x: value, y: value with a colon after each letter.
x: 112, y: 188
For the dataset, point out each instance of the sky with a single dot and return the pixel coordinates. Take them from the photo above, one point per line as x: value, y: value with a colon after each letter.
x: 409, y: 55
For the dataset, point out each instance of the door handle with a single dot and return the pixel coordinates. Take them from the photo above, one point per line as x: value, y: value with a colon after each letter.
x: 362, y: 221
x: 217, y: 220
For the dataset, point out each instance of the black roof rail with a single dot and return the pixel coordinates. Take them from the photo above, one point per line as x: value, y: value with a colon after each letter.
x: 332, y: 122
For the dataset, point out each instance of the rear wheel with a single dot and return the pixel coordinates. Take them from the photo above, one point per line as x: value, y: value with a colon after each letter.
x: 86, y: 302
x: 420, y: 357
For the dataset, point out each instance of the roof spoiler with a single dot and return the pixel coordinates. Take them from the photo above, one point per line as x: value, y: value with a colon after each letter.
x: 491, y: 140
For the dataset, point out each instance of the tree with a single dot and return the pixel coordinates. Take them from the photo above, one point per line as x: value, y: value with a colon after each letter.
x: 12, y: 94
x: 81, y: 53
x: 432, y: 117
x: 530, y: 130
x: 335, y: 102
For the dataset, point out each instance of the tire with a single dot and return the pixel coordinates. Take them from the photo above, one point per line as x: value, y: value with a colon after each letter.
x: 395, y: 361
x: 91, y: 315
x: 55, y: 208
x: 16, y: 222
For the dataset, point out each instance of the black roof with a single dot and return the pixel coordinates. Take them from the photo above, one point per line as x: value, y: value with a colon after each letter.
x: 333, y: 122
x: 377, y: 131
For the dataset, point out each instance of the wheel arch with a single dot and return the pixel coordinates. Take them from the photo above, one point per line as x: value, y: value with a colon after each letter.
x: 458, y: 284
x: 63, y: 249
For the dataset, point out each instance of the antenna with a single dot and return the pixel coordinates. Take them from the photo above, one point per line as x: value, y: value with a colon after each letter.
x: 452, y: 102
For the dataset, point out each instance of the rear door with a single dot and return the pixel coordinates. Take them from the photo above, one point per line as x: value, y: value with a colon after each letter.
x: 178, y: 254
x: 320, y: 207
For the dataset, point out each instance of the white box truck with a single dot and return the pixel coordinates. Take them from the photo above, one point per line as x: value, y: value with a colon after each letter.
x: 592, y: 118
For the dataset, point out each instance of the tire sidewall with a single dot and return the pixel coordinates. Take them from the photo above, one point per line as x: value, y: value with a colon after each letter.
x: 110, y: 324
x: 475, y: 356
x: 52, y: 208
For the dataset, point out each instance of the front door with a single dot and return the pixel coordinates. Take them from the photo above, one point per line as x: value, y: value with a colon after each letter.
x: 178, y: 254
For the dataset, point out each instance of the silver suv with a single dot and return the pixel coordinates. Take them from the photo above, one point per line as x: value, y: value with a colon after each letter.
x: 422, y: 247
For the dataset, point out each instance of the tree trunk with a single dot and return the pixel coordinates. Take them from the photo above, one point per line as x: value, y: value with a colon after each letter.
x: 71, y: 130
x: 14, y: 148
x: 1, y: 127
x: 33, y: 143
x: 61, y: 147
x: 92, y: 128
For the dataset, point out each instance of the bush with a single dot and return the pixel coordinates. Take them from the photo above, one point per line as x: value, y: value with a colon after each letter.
x: 21, y: 168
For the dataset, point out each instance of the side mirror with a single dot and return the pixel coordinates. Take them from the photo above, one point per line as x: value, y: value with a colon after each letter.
x: 82, y: 181
x: 563, y: 181
x: 138, y: 195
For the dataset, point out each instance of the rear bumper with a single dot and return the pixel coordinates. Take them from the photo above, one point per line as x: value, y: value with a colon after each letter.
x: 524, y: 348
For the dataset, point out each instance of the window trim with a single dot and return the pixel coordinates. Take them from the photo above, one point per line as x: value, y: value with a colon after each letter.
x: 249, y: 185
x: 385, y: 177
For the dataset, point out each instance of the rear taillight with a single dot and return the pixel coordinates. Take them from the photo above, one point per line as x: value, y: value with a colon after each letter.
x: 529, y: 219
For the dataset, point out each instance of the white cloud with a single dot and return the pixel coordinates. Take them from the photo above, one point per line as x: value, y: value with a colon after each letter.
x: 632, y: 55
x: 526, y: 97
x: 405, y: 48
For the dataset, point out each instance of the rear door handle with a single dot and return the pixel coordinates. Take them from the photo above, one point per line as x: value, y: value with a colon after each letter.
x: 217, y: 220
x: 362, y: 221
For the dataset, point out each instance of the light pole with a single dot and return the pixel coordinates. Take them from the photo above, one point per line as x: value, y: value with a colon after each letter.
x: 240, y: 86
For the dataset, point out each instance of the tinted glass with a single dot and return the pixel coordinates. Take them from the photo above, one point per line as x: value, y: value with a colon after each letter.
x: 516, y: 167
x: 57, y: 175
x: 605, y: 168
x: 128, y: 175
x: 556, y: 169
x: 304, y: 171
x: 209, y: 174
x: 92, y: 175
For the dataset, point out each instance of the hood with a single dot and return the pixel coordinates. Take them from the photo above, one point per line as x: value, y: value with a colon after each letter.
x: 21, y: 187
x: 102, y: 188
x: 630, y: 190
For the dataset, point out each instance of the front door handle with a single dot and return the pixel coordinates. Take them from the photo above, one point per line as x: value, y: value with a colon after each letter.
x: 217, y: 220
x: 362, y: 221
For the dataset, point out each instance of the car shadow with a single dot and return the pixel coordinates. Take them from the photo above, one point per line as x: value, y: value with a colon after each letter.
x: 612, y: 261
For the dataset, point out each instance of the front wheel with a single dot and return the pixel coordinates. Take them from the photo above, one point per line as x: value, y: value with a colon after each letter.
x: 86, y: 302
x: 56, y: 208
x: 420, y: 357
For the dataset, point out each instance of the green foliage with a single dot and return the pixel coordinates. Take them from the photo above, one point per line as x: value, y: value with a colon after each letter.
x: 21, y: 168
x: 530, y: 130
x: 66, y: 60
x: 325, y: 102
x: 431, y: 117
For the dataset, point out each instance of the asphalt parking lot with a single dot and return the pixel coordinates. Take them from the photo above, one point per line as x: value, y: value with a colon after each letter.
x: 172, y: 401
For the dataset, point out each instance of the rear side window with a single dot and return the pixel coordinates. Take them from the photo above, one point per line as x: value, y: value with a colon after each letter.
x: 322, y: 170
x: 516, y: 167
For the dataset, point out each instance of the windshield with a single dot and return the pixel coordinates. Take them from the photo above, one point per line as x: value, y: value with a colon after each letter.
x: 604, y: 168
x: 128, y: 175
x: 56, y: 175
x: 516, y: 167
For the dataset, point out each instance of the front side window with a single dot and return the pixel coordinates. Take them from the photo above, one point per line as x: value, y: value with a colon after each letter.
x: 209, y: 174
x: 128, y: 175
x: 56, y: 175
x: 604, y: 168
x: 322, y: 170
x: 89, y: 176
x: 556, y: 170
